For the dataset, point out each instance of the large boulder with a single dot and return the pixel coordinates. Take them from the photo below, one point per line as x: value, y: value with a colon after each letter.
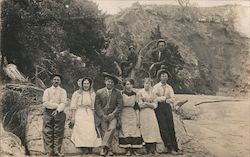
x: 10, y: 144
x: 34, y: 132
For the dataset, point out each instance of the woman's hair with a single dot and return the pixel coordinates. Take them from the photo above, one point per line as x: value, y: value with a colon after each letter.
x: 131, y: 81
x: 90, y: 82
x: 148, y: 80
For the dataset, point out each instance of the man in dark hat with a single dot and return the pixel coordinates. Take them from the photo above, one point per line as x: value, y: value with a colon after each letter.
x: 165, y: 99
x: 159, y: 56
x: 54, y: 101
x: 108, y: 105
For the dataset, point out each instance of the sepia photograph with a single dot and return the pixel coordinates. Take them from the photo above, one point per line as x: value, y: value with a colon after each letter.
x: 89, y: 78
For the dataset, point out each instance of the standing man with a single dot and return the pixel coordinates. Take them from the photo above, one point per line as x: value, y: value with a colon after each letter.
x: 108, y: 105
x: 165, y: 98
x: 54, y: 101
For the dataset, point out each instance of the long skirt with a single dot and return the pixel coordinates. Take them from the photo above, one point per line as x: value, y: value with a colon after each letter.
x: 84, y: 133
x: 149, y: 126
x: 129, y: 135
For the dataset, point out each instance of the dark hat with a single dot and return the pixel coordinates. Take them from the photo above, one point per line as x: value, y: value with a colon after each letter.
x: 159, y: 72
x: 54, y: 75
x: 113, y: 77
x: 161, y: 40
x: 131, y: 46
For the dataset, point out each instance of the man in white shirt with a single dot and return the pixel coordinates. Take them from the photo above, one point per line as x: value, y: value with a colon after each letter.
x: 165, y: 98
x: 54, y: 101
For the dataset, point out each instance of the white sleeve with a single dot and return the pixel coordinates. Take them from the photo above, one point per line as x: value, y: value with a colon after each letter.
x: 46, y: 102
x: 93, y: 100
x: 171, y: 99
x: 63, y: 103
x: 73, y: 103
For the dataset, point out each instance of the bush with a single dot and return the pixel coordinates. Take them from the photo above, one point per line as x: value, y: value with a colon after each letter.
x: 33, y: 30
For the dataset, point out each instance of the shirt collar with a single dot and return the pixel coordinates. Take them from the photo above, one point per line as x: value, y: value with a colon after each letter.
x: 109, y: 90
x: 162, y: 84
x: 53, y: 87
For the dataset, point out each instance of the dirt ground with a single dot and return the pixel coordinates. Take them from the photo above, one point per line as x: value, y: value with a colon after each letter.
x: 223, y: 128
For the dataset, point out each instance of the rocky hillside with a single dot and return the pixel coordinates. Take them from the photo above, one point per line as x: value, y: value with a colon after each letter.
x: 216, y: 54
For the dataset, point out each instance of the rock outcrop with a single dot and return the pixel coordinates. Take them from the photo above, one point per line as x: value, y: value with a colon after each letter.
x: 216, y: 55
x: 10, y: 144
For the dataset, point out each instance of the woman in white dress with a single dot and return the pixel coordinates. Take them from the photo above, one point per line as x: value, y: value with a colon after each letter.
x: 84, y: 134
x: 148, y: 122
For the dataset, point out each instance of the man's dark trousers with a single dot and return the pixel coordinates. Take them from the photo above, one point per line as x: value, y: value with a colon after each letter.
x: 166, y: 124
x: 53, y: 131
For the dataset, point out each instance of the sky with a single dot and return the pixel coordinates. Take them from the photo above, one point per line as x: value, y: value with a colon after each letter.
x: 114, y: 6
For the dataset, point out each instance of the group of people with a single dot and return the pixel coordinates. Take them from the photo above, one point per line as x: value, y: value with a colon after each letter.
x: 166, y: 55
x: 142, y: 117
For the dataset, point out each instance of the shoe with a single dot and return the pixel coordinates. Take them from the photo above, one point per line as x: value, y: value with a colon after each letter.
x: 49, y: 154
x: 128, y: 153
x: 178, y: 152
x: 103, y: 152
x: 136, y: 153
x: 150, y: 154
x: 155, y: 152
x: 110, y: 153
x: 59, y: 154
x: 168, y: 150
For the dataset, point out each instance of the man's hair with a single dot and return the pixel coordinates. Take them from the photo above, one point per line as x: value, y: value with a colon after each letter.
x: 56, y: 75
x: 161, y: 41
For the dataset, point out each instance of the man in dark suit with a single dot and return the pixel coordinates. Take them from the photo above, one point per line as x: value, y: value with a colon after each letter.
x: 108, y: 105
x: 167, y: 56
x: 159, y: 57
x: 161, y: 53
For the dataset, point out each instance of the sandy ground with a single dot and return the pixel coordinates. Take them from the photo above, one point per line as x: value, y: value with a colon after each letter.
x: 223, y: 128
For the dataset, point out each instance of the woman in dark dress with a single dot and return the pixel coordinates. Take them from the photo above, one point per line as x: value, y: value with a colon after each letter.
x: 129, y: 135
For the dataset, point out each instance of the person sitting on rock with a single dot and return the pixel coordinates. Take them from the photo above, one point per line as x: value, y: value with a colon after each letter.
x: 108, y: 106
x: 129, y: 64
x: 162, y: 56
x: 54, y: 101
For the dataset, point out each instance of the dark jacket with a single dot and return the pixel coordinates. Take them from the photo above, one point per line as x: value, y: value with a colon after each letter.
x: 165, y: 55
x: 102, y: 106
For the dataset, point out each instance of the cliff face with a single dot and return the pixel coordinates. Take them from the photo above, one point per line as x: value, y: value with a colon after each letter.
x: 215, y: 53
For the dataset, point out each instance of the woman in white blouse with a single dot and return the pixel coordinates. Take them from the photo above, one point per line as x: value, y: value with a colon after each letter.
x: 84, y: 134
x: 148, y: 121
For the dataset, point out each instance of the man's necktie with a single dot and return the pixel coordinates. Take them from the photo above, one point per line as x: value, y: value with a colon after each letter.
x: 109, y: 97
x: 164, y: 89
x: 159, y: 57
